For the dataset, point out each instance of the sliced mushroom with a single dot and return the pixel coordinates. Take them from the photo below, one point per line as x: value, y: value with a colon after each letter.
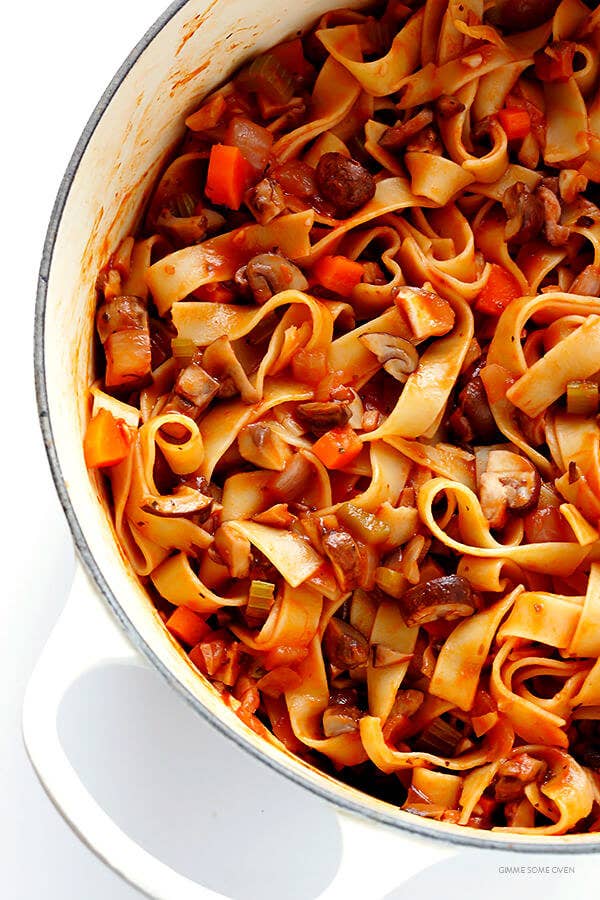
x: 123, y: 328
x: 447, y: 107
x: 398, y: 356
x: 448, y: 597
x: 340, y: 719
x: 121, y: 314
x: 344, y: 646
x: 192, y: 392
x: 268, y: 274
x: 321, y: 417
x: 220, y: 361
x: 472, y: 420
x: 265, y: 201
x: 344, y: 182
x: 181, y: 230
x: 556, y: 234
x: 235, y: 550
x: 525, y: 213
x: 510, y: 482
x: 398, y: 135
x: 261, y: 445
x: 587, y: 282
x: 184, y: 501
x: 343, y: 553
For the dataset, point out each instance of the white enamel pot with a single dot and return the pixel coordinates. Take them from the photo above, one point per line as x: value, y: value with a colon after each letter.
x: 192, y: 48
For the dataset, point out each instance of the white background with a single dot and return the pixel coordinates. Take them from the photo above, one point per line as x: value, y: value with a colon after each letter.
x: 182, y: 790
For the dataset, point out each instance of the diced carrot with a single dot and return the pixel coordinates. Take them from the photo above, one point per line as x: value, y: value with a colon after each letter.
x: 107, y: 441
x: 309, y: 366
x: 209, y: 115
x: 229, y: 176
x: 337, y: 448
x: 278, y: 681
x: 428, y: 314
x: 187, y: 626
x: 516, y: 123
x: 499, y: 291
x: 338, y: 274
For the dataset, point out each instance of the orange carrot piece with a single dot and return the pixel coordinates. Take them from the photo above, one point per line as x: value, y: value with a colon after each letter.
x: 107, y: 441
x: 229, y: 176
x: 338, y: 274
x: 187, y: 626
x: 337, y: 448
x: 499, y: 291
x: 516, y: 122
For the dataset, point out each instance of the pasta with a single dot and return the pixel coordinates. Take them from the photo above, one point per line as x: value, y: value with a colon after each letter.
x: 347, y: 404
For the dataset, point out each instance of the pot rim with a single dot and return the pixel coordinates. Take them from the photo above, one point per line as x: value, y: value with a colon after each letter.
x: 485, y: 840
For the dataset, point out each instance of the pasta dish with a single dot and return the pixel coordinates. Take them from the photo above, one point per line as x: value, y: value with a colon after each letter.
x: 347, y: 404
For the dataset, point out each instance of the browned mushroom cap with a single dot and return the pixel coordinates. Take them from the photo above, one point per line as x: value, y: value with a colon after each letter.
x: 121, y: 314
x: 261, y: 445
x: 265, y: 201
x: 181, y: 230
x: 220, y: 361
x: 268, y: 274
x: 340, y: 719
x: 321, y: 417
x: 449, y: 597
x: 343, y: 553
x: 398, y: 356
x: 184, y: 501
x: 345, y: 647
x: 511, y: 482
x: 344, y: 182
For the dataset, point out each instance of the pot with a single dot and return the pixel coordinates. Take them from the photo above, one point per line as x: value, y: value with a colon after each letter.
x: 194, y: 46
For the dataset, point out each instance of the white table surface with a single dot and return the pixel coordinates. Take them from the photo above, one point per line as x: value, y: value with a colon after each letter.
x: 184, y: 791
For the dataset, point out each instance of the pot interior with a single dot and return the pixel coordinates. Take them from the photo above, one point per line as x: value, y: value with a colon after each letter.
x: 194, y: 47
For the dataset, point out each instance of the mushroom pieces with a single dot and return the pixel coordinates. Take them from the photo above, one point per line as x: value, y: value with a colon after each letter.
x: 192, y: 392
x: 265, y: 201
x: 344, y: 556
x: 472, y: 420
x: 262, y: 446
x: 556, y: 234
x: 399, y: 135
x: 345, y: 647
x: 510, y: 482
x: 184, y: 501
x: 124, y: 331
x: 525, y: 214
x: 448, y: 597
x: 344, y: 182
x: 220, y: 361
x: 322, y: 417
x: 532, y: 213
x: 268, y: 274
x: 398, y: 356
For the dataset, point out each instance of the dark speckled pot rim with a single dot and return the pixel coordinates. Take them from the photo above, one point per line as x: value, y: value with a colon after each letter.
x: 470, y: 838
